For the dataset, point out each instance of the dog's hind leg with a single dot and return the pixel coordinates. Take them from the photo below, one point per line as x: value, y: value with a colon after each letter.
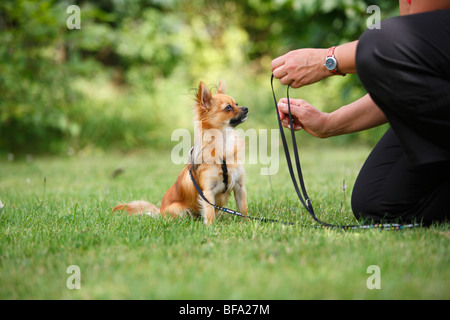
x: 174, y: 210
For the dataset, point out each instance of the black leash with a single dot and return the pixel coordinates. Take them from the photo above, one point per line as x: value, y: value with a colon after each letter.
x: 303, y: 195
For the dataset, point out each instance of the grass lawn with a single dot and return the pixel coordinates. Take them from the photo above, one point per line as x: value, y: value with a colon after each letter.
x: 45, y: 228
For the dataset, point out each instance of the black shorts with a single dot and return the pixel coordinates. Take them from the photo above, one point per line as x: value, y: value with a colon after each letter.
x: 405, y: 67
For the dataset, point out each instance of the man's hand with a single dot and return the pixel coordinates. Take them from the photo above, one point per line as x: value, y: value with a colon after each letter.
x: 304, y: 116
x: 301, y: 67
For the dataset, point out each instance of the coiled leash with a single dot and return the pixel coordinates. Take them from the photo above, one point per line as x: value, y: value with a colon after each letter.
x: 302, y: 195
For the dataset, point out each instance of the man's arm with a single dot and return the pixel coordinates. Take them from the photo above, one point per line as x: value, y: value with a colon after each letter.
x: 357, y: 116
x: 306, y: 66
x: 346, y: 56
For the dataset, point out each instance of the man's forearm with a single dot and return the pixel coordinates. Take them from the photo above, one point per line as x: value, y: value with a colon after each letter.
x: 357, y: 116
x: 345, y: 55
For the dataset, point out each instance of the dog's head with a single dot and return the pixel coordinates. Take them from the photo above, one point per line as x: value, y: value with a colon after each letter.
x: 218, y: 111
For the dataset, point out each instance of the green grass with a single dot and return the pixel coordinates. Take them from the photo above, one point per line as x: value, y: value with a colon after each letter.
x: 44, y: 228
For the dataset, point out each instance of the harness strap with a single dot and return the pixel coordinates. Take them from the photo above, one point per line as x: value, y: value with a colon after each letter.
x: 225, y: 175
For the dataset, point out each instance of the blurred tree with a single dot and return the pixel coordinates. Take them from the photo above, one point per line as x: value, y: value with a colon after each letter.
x: 138, y: 47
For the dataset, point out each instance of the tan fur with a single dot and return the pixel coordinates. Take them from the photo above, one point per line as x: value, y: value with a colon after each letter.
x: 138, y: 207
x: 212, y: 114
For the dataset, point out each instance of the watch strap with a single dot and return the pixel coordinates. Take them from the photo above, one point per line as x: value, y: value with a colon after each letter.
x: 331, y: 54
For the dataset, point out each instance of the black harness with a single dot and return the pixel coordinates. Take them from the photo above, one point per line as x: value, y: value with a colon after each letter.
x: 225, y: 175
x: 224, y: 170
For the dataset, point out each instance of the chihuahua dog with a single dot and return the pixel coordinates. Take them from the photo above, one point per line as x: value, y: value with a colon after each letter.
x: 214, y: 162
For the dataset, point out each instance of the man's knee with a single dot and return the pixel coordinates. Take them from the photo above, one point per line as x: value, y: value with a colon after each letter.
x: 360, y: 203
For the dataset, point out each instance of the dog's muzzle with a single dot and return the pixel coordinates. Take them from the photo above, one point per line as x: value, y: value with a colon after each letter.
x: 241, y: 117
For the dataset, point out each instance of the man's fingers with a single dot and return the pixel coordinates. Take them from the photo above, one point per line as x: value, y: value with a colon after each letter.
x: 296, y: 127
x: 279, y: 72
x: 284, y: 107
x: 277, y: 62
x: 286, y: 80
x: 282, y: 115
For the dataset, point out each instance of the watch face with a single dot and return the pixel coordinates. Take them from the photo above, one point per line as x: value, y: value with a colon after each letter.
x: 330, y: 63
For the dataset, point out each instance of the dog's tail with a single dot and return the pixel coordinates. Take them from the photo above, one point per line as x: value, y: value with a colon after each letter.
x: 139, y: 207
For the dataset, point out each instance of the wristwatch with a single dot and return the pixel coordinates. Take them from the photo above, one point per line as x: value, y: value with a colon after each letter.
x: 331, y: 62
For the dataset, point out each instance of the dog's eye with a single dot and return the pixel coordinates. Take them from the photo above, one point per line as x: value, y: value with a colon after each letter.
x: 229, y: 108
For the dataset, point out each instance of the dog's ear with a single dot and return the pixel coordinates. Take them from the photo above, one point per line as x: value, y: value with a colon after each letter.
x: 222, y: 87
x: 204, y: 96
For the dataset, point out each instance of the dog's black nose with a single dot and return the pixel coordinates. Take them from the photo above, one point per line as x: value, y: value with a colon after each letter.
x: 244, y: 109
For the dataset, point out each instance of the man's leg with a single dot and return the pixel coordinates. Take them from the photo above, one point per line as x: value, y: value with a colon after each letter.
x: 390, y: 188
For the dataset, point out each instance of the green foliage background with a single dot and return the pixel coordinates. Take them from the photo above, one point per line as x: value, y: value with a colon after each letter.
x: 126, y: 79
